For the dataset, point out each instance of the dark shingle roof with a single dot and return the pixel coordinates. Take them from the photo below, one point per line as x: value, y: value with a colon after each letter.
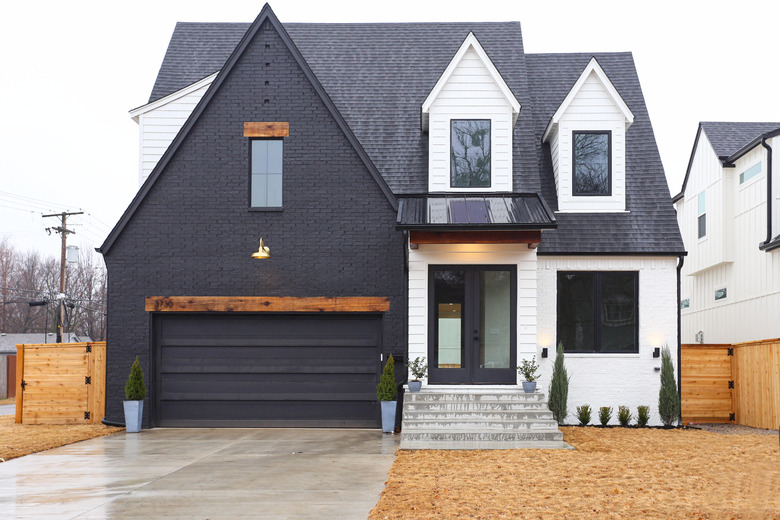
x: 378, y: 76
x: 728, y: 138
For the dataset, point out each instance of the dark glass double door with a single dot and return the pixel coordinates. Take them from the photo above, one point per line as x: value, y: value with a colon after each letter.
x: 473, y: 324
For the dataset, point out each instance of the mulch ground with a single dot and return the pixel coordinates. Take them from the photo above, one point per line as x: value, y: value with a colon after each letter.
x: 613, y: 473
x: 17, y: 440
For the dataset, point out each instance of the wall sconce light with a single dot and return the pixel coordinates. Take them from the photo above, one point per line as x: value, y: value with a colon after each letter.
x: 657, y: 352
x: 544, y: 352
x: 262, y: 252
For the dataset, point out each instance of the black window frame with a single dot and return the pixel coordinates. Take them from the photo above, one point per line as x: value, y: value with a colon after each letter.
x: 490, y: 164
x: 597, y: 312
x: 249, y: 190
x: 574, y: 135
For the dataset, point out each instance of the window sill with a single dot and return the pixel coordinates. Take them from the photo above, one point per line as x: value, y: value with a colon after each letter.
x: 265, y: 209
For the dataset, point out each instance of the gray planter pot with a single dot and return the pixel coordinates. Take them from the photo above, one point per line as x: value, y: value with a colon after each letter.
x: 388, y: 416
x: 134, y: 412
x: 529, y: 387
x: 414, y: 386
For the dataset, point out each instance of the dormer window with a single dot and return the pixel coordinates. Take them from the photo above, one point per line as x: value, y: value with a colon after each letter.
x: 470, y: 153
x: 592, y: 166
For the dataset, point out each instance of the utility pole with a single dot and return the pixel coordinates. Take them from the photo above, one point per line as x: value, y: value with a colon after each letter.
x: 64, y: 232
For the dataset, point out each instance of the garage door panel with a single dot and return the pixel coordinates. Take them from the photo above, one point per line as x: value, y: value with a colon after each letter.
x: 267, y: 370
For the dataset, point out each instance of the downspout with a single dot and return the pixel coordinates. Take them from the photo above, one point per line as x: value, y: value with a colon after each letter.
x: 679, y: 334
x: 768, y: 190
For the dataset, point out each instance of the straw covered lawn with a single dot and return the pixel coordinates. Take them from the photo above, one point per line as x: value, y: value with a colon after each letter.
x: 613, y: 473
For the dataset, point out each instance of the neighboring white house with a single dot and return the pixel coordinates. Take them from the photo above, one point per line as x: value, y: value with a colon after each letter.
x: 729, y: 216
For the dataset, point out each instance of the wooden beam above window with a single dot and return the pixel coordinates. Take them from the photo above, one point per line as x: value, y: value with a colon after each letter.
x: 475, y: 237
x: 267, y: 304
x: 266, y: 129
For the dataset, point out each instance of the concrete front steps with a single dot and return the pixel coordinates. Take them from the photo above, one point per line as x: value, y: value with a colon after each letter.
x: 478, y: 418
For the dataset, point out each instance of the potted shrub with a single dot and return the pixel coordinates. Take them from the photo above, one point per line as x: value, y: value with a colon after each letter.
x: 419, y: 369
x: 529, y: 370
x: 386, y: 392
x: 135, y: 391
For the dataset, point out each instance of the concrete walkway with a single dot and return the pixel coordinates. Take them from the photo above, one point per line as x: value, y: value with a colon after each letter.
x: 203, y: 473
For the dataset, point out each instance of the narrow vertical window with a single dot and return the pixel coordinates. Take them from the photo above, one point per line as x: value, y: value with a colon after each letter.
x: 470, y: 153
x: 702, y: 214
x: 592, y: 168
x: 266, y: 176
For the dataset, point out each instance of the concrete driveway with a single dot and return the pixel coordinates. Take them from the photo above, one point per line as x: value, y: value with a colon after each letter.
x: 203, y: 473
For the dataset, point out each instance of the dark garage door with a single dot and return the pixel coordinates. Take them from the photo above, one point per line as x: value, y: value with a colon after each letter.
x: 267, y: 370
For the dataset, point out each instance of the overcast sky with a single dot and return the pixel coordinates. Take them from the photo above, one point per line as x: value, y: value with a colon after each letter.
x: 72, y: 71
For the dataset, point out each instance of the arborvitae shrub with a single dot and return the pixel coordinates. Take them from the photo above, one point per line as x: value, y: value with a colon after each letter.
x: 668, y: 398
x: 624, y: 415
x: 642, y: 415
x: 386, y: 390
x: 135, y: 389
x: 559, y: 388
x: 605, y: 414
x: 583, y: 414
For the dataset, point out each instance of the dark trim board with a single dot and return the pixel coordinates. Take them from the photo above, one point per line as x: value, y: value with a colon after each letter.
x: 266, y: 370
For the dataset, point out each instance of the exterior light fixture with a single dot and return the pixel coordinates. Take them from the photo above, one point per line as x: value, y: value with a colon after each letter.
x: 262, y: 252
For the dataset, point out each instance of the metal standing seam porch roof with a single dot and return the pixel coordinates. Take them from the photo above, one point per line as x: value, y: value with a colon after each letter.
x: 475, y: 212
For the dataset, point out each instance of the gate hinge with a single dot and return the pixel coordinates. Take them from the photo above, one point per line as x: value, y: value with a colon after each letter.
x: 731, y: 352
x: 87, y: 380
x: 731, y: 384
x: 86, y: 416
x: 23, y: 384
x: 89, y: 348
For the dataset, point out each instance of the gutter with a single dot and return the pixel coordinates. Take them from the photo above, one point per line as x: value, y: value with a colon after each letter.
x: 679, y: 334
x: 767, y: 244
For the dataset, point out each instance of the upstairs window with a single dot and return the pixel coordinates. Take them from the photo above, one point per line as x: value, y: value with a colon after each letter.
x: 470, y: 153
x: 266, y: 173
x: 592, y: 166
x: 598, y: 311
x: 702, y: 214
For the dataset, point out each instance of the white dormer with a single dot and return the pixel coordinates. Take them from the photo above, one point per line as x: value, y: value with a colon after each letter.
x: 470, y: 115
x: 587, y: 136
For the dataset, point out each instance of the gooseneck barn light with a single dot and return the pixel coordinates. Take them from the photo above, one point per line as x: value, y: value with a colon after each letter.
x: 262, y: 252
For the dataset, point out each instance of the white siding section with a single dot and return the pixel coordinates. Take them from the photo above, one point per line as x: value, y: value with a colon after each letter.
x: 728, y: 257
x: 158, y: 126
x: 591, y: 109
x: 487, y: 254
x: 470, y: 93
x: 613, y: 379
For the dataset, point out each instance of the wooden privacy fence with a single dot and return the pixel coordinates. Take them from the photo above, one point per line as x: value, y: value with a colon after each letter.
x: 61, y: 383
x: 738, y: 383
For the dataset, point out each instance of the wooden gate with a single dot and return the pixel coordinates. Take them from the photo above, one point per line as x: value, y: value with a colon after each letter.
x: 706, y: 384
x: 61, y: 383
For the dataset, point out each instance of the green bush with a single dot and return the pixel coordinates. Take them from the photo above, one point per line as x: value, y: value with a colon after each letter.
x: 583, y: 414
x: 624, y: 415
x: 605, y: 414
x: 386, y: 390
x: 559, y: 388
x: 642, y: 415
x: 135, y: 389
x: 668, y: 398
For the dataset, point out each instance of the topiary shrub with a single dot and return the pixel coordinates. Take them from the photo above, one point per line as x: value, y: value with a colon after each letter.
x: 605, y: 414
x: 559, y: 388
x: 386, y: 390
x: 642, y: 415
x: 624, y: 415
x: 135, y: 389
x: 583, y: 414
x: 668, y: 398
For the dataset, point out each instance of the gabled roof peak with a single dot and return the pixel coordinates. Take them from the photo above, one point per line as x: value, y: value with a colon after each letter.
x: 470, y: 43
x: 594, y: 68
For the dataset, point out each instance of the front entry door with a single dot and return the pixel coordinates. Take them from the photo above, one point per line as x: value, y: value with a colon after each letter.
x: 472, y: 324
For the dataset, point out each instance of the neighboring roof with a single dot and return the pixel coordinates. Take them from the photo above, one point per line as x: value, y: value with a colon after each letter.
x: 474, y: 212
x: 730, y: 140
x: 8, y: 341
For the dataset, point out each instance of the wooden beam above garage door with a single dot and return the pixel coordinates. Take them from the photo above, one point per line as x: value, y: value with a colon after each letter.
x: 267, y: 304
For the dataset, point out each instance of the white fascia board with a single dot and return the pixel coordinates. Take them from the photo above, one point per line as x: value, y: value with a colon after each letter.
x: 470, y: 42
x: 594, y: 67
x: 173, y: 96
